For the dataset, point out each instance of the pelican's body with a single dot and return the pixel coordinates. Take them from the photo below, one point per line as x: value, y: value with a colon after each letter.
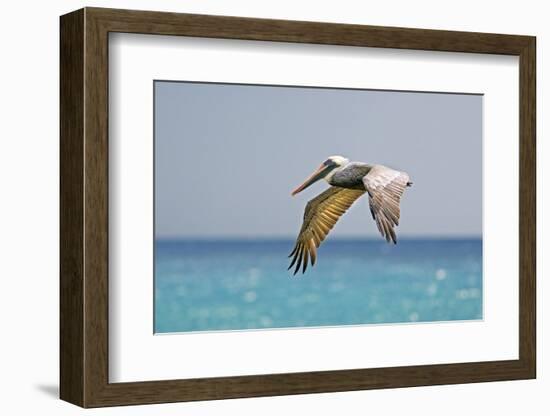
x: 349, y: 176
x: 349, y: 181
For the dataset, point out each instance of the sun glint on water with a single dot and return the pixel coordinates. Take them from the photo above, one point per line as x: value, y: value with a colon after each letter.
x: 244, y: 284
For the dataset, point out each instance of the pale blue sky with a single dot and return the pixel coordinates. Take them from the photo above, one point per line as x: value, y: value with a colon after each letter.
x: 227, y: 157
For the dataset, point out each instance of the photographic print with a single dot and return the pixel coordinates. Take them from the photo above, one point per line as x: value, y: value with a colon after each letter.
x: 296, y: 206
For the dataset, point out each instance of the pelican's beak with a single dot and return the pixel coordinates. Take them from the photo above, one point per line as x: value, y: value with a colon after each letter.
x: 320, y: 173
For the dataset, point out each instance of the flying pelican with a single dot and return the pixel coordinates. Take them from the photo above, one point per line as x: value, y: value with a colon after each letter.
x: 349, y: 181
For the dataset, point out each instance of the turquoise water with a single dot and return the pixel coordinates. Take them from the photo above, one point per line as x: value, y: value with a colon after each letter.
x: 244, y: 284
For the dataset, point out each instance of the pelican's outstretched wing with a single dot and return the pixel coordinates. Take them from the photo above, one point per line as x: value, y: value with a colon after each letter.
x: 385, y: 187
x: 320, y: 215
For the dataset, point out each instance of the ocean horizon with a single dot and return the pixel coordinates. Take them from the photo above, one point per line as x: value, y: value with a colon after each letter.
x: 204, y: 284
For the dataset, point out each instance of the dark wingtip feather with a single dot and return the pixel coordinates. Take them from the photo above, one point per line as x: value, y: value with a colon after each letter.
x: 305, y: 260
x: 293, y: 251
x: 299, y: 259
x: 291, y: 263
x: 294, y: 258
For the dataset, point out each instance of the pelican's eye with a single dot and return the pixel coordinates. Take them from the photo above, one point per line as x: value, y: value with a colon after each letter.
x: 330, y: 162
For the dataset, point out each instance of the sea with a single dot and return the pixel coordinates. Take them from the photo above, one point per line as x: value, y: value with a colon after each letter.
x: 244, y: 284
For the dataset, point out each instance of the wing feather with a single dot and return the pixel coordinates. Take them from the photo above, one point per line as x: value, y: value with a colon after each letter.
x: 385, y: 187
x: 320, y: 216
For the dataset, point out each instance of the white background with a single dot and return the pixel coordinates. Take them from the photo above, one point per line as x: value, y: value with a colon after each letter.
x: 29, y: 220
x: 136, y: 355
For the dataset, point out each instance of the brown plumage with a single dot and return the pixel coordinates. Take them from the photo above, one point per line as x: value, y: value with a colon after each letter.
x: 350, y: 181
x: 385, y: 187
x: 320, y: 215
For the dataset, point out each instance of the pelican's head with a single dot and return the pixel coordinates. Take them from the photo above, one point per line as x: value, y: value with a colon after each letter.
x: 325, y: 170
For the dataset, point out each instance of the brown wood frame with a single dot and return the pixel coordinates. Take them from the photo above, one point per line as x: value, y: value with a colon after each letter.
x: 84, y: 209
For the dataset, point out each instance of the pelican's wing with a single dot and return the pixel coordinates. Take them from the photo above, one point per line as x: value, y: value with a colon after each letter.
x: 320, y: 215
x: 385, y: 187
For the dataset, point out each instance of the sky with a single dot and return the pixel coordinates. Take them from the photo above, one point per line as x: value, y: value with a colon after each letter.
x: 227, y: 157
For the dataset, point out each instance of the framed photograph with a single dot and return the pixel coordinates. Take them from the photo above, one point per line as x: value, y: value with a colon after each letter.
x: 255, y: 207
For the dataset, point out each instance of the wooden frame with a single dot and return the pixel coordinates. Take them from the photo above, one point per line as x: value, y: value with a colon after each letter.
x: 84, y: 207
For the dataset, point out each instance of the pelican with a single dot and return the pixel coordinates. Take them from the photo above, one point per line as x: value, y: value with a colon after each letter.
x: 349, y: 181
